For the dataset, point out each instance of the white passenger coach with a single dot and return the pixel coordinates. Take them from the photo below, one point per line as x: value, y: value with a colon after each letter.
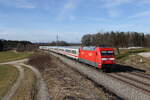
x: 70, y: 52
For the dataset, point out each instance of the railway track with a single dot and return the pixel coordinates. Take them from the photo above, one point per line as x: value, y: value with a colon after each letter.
x: 143, y: 75
x: 137, y: 77
x: 134, y: 81
x: 127, y: 85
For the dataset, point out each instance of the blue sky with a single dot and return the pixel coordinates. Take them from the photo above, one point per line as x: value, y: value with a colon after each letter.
x: 42, y: 20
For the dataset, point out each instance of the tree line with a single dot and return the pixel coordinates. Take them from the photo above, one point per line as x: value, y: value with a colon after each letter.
x: 117, y: 39
x: 55, y: 43
x: 17, y: 45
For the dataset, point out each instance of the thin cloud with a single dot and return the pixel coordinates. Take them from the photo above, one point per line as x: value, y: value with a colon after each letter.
x: 69, y: 7
x: 112, y: 6
x: 93, y: 19
x: 115, y: 3
x: 141, y: 14
x: 114, y: 12
x: 144, y: 1
x: 18, y: 3
x: 2, y: 32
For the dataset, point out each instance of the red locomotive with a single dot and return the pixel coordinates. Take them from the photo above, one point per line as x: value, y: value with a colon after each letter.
x: 99, y: 57
x: 96, y: 56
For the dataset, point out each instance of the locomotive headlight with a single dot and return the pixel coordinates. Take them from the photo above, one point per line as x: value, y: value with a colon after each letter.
x: 111, y: 58
x: 104, y: 58
x: 108, y: 59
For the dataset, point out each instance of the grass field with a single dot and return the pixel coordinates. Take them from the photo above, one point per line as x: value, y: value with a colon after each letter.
x: 8, y: 75
x: 11, y: 55
x: 127, y: 52
x: 131, y: 58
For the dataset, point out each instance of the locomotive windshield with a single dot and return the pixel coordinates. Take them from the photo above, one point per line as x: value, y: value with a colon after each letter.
x: 107, y: 53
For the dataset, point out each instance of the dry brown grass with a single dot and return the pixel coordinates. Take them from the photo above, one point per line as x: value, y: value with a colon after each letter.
x: 40, y: 60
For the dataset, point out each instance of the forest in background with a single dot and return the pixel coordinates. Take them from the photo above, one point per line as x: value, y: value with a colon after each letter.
x: 17, y: 45
x: 117, y: 39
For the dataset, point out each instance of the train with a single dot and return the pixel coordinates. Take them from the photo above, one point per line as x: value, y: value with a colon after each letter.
x: 99, y: 57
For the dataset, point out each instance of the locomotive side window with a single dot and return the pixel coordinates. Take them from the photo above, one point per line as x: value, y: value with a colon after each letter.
x: 107, y: 53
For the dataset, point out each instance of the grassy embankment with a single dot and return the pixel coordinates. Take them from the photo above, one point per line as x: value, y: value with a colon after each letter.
x: 126, y: 52
x: 11, y: 55
x: 8, y: 75
x: 131, y: 58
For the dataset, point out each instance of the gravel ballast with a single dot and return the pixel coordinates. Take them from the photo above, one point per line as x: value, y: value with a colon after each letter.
x: 121, y: 89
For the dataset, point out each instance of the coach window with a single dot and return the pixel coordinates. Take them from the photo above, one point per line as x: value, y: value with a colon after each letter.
x: 69, y: 51
x: 73, y: 51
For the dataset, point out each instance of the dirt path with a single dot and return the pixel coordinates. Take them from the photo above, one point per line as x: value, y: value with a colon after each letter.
x: 14, y: 62
x: 42, y: 90
x: 42, y: 93
x: 16, y: 85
